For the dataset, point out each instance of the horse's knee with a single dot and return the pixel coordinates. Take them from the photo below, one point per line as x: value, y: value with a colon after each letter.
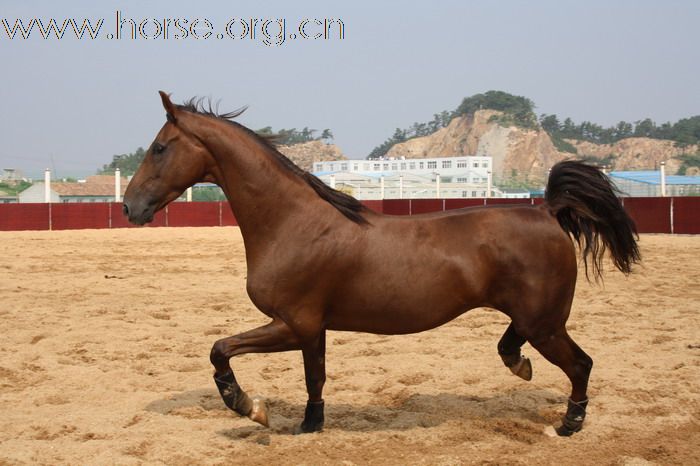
x: 218, y: 356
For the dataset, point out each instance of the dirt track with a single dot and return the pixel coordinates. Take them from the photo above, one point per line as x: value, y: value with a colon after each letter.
x: 106, y: 337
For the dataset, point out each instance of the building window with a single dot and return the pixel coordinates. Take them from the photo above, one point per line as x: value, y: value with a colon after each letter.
x: 432, y: 164
x: 319, y: 167
x: 377, y: 167
x: 465, y: 194
x: 394, y: 166
x: 461, y: 164
x: 403, y: 165
x: 484, y: 164
x: 386, y: 167
x: 343, y: 167
x: 355, y: 166
x: 473, y: 193
x: 421, y: 165
x: 446, y: 164
x: 476, y: 164
x: 461, y: 180
x: 412, y: 165
x: 365, y: 166
x: 332, y: 167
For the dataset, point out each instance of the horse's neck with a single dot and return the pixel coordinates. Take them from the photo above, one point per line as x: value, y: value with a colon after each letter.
x: 262, y: 193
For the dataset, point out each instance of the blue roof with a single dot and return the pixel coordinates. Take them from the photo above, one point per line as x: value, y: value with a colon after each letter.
x: 654, y: 177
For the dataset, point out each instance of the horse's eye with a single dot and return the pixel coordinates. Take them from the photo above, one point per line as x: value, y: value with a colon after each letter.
x: 158, y: 148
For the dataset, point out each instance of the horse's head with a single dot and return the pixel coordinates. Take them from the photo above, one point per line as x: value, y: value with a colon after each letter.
x: 175, y: 161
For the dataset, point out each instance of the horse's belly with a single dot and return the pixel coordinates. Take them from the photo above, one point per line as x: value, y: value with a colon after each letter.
x: 401, y: 318
x: 380, y: 301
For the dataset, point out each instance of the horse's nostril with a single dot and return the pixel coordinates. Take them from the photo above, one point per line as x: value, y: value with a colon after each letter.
x: 125, y: 209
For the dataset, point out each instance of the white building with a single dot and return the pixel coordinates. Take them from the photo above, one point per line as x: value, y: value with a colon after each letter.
x: 465, y: 169
x: 437, y: 177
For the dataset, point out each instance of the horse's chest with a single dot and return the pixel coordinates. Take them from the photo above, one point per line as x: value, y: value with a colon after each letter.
x: 273, y: 291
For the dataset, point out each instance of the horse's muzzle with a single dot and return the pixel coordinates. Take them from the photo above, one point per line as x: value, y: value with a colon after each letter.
x: 138, y: 216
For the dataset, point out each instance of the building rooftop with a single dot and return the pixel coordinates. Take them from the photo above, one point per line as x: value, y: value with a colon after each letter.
x: 85, y: 189
x: 104, y: 179
x: 654, y: 177
x: 98, y: 185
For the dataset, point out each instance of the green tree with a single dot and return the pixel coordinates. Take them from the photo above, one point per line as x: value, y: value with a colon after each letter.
x: 623, y: 130
x: 126, y: 163
x: 518, y: 110
x: 645, y: 128
x: 686, y: 131
x: 688, y: 161
x: 550, y: 123
x: 289, y: 137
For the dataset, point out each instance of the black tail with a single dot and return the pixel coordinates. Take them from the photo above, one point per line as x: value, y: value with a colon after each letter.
x: 586, y: 205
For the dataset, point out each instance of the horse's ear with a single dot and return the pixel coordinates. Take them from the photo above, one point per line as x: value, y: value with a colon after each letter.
x: 170, y: 109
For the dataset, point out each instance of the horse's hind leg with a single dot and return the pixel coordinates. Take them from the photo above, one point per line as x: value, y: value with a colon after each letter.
x: 562, y: 351
x: 509, y: 350
x: 273, y: 337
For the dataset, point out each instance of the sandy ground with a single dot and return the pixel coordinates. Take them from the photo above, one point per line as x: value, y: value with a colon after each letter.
x: 105, y: 337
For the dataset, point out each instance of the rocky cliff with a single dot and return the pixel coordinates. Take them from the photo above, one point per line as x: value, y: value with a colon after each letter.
x: 524, y: 156
x: 305, y: 154
x: 636, y: 153
x: 518, y: 155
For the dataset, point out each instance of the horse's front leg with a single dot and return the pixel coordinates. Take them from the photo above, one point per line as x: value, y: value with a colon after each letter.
x: 314, y: 352
x: 273, y: 337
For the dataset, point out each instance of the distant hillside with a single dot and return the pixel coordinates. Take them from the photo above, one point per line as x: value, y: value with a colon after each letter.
x: 524, y: 147
x: 521, y: 157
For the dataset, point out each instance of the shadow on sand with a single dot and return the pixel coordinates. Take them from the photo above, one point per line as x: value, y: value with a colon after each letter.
x: 527, y: 407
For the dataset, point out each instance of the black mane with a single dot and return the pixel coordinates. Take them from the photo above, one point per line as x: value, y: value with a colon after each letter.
x: 346, y: 204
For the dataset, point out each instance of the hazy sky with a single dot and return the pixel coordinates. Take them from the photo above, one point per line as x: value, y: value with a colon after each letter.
x: 71, y: 104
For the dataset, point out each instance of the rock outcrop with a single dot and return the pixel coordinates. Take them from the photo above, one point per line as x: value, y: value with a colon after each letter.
x: 518, y: 154
x: 637, y: 153
x: 305, y: 154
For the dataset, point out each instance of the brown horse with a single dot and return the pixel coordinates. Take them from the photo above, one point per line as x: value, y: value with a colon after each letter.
x: 319, y: 260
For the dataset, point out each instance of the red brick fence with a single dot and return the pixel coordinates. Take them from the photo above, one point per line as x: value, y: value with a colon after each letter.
x: 652, y: 214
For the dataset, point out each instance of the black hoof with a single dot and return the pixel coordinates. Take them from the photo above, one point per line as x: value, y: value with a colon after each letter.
x: 567, y: 430
x: 572, y: 422
x: 313, y: 418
